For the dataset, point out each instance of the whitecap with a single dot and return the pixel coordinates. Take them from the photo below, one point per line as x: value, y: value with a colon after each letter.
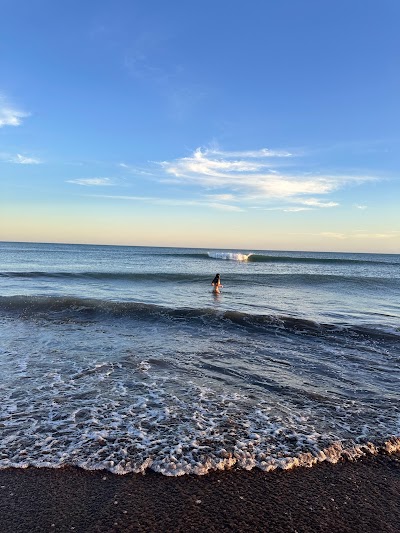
x: 229, y: 256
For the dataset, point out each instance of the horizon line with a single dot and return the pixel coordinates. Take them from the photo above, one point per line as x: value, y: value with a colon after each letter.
x: 198, y: 247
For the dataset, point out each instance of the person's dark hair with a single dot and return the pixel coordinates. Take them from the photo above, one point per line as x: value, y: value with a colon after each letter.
x: 216, y: 279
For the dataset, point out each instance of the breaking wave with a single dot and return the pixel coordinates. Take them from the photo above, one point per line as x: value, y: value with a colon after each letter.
x: 229, y: 256
x: 262, y: 258
x: 53, y: 306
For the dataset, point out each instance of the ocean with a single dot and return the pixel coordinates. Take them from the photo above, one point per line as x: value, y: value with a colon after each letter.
x: 122, y: 358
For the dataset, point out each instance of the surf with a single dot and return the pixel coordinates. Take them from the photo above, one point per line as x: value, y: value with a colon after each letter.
x: 75, y: 308
x: 229, y: 256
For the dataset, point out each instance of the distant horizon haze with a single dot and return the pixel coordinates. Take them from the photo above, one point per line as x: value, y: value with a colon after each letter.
x: 205, y: 247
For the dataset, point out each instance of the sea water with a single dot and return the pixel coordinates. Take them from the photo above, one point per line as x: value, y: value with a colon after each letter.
x: 122, y: 358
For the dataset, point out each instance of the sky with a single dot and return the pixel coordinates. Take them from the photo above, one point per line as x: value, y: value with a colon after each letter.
x: 223, y: 124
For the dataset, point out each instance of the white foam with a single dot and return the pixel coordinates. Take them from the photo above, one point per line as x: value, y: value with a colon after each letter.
x: 229, y: 256
x: 104, y: 409
x: 175, y: 435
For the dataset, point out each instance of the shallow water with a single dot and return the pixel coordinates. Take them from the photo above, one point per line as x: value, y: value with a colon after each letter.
x: 122, y: 358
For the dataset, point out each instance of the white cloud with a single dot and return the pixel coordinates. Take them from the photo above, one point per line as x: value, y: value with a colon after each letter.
x: 249, y: 174
x: 363, y: 235
x: 199, y: 167
x: 361, y: 206
x: 331, y: 234
x: 295, y: 209
x: 19, y: 159
x: 238, y: 180
x: 23, y: 160
x: 97, y: 182
x: 10, y: 116
x: 221, y: 197
x: 136, y: 170
x: 314, y: 202
x: 354, y: 235
x: 170, y: 201
x: 264, y: 152
x: 223, y: 207
x: 307, y: 205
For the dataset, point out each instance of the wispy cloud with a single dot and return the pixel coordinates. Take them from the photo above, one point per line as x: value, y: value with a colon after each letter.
x: 96, y: 182
x: 136, y: 170
x: 386, y: 235
x: 170, y: 201
x: 306, y: 204
x: 9, y: 115
x: 23, y: 160
x: 19, y: 159
x: 361, y: 206
x: 235, y: 181
x: 264, y: 152
x: 294, y: 209
x: 354, y: 235
x: 221, y: 197
x: 314, y: 202
x: 208, y: 166
x: 332, y: 234
x: 249, y: 174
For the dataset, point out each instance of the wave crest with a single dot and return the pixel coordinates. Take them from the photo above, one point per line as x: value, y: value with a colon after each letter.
x: 229, y: 256
x: 79, y: 308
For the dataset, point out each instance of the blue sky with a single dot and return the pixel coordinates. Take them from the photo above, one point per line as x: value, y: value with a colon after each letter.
x: 268, y: 125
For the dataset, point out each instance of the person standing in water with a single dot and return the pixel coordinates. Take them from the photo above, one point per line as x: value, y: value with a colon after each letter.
x: 216, y: 283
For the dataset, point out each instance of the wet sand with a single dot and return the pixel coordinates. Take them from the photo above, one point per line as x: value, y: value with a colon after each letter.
x: 363, y: 496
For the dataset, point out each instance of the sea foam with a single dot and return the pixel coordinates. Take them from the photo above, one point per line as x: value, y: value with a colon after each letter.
x: 229, y: 256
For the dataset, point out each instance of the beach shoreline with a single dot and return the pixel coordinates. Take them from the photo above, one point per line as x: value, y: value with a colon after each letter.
x: 361, y: 496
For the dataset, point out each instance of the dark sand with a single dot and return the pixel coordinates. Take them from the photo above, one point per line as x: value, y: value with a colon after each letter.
x: 347, y: 497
